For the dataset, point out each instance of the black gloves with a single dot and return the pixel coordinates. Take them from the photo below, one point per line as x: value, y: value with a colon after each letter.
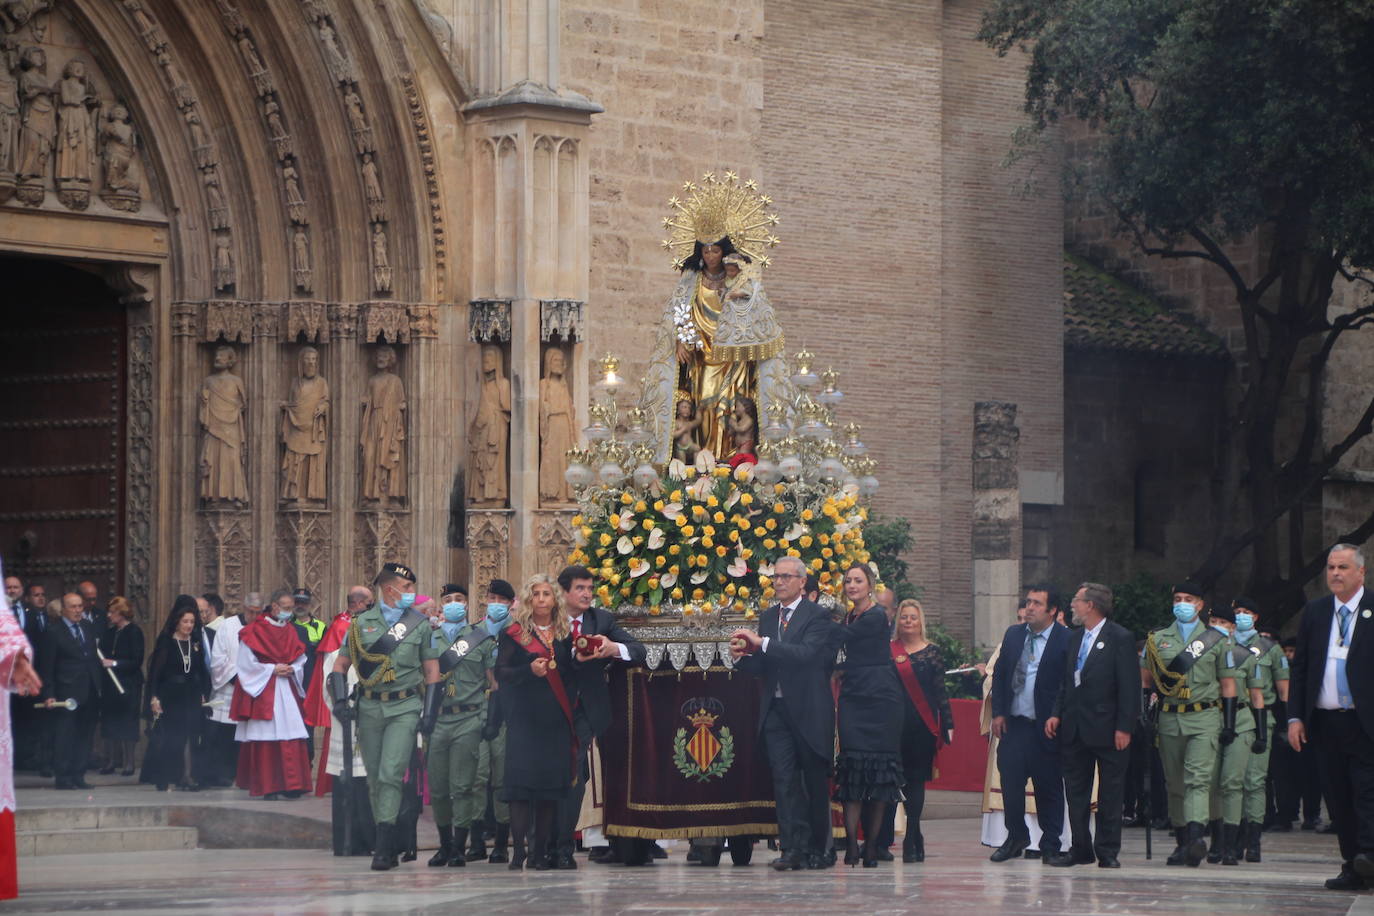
x: 1261, y: 732
x: 1228, y: 720
x: 492, y: 728
x: 338, y: 696
x: 434, y: 696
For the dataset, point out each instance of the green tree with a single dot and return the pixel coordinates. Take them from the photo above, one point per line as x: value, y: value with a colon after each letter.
x: 1219, y: 120
x: 886, y: 540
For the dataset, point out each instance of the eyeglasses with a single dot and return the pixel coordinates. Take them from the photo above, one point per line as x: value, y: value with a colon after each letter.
x: 788, y: 576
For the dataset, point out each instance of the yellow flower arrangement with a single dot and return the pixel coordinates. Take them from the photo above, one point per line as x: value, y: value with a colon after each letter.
x: 711, y: 537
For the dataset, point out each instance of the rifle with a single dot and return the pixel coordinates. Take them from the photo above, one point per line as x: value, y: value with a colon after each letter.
x: 1147, y: 726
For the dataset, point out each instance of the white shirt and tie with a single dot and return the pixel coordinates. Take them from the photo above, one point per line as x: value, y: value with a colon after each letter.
x: 1089, y: 643
x: 784, y: 617
x: 1337, y: 646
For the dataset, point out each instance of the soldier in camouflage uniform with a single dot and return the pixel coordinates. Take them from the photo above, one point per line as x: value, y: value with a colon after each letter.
x: 1270, y: 678
x: 1228, y: 781
x: 1186, y: 662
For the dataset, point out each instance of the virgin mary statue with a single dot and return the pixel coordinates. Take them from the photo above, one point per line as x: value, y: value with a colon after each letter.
x: 719, y: 339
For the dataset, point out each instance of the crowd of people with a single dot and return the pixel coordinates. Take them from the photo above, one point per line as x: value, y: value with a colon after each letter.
x: 1202, y: 728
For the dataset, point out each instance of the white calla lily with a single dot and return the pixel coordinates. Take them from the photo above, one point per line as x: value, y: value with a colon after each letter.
x: 638, y: 567
x: 624, y: 545
x: 706, y: 462
x: 699, y: 576
x: 671, y: 511
x: 627, y: 521
x: 796, y: 531
x: 732, y: 499
x: 738, y: 568
x: 656, y: 539
x: 668, y: 579
x: 676, y: 469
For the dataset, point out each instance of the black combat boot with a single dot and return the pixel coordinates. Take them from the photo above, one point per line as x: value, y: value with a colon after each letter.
x: 383, y: 857
x: 498, y: 845
x: 1252, y: 842
x: 1196, y: 848
x: 1228, y: 844
x: 456, y: 857
x: 478, y: 849
x: 1179, y: 856
x: 1214, y: 850
x: 440, y: 858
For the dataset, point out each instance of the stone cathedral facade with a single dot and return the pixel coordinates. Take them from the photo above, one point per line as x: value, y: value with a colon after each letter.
x: 292, y: 287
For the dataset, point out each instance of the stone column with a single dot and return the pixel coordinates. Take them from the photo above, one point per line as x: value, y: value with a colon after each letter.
x: 996, y: 520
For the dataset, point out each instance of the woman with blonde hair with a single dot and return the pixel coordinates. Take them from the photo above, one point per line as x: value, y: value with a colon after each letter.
x: 123, y: 648
x: 535, y: 653
x: 927, y: 723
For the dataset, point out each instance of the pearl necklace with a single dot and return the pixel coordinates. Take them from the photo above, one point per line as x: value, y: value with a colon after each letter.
x: 185, y: 654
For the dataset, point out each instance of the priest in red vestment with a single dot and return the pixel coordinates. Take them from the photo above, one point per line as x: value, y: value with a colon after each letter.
x: 318, y: 713
x: 273, y: 759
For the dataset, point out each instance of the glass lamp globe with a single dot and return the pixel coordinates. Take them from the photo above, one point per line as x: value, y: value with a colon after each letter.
x: 611, y: 474
x: 790, y: 466
x: 645, y: 475
x: 766, y: 472
x: 868, y: 485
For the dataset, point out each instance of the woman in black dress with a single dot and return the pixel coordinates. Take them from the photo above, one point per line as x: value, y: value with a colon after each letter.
x: 926, y: 720
x: 868, y: 773
x: 540, y: 745
x: 178, y: 683
x: 122, y: 646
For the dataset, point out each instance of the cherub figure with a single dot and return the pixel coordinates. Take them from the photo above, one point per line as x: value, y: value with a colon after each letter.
x: 744, y: 424
x: 686, y: 430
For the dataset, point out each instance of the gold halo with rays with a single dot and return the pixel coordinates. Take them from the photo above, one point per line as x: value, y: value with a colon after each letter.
x: 717, y: 208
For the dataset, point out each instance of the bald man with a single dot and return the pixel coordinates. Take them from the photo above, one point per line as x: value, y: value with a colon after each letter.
x: 91, y: 611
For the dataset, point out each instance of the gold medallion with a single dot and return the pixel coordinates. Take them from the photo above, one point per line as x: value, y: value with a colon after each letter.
x: 553, y: 663
x: 901, y: 659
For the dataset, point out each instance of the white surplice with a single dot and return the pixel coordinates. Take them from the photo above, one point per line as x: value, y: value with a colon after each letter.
x: 286, y: 722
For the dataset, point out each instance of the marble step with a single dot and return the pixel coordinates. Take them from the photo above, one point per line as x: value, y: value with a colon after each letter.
x: 39, y: 820
x: 104, y: 839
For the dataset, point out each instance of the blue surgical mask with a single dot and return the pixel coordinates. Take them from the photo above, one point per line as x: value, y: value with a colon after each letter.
x: 455, y: 612
x: 284, y: 616
x: 406, y: 601
x: 1244, y: 622
x: 1221, y: 629
x: 1184, y: 612
x: 497, y: 611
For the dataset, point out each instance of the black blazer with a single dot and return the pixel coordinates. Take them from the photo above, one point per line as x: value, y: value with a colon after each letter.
x: 1309, y: 661
x: 1048, y: 675
x: 1107, y: 700
x: 800, y: 662
x: 592, y: 685
x: 35, y: 622
x: 67, y: 671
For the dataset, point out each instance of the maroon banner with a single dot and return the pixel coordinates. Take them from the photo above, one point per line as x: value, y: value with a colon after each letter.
x: 682, y: 757
x: 963, y: 764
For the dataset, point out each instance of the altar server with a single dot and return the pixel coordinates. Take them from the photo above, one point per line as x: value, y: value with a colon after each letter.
x: 273, y: 761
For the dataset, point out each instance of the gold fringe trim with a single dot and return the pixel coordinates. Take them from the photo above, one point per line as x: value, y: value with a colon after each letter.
x: 1174, y: 686
x: 688, y: 833
x: 755, y: 352
x: 386, y: 671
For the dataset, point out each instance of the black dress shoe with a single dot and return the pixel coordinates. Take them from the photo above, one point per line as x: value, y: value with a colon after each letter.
x: 1132, y: 821
x: 788, y: 861
x: 1009, y: 850
x: 884, y: 855
x: 1347, y: 880
x: 107, y: 770
x: 565, y: 862
x: 657, y: 851
x: 1067, y: 859
x: 1327, y: 828
x: 1312, y: 824
x: 1279, y: 827
x: 1364, y: 866
x: 1108, y: 862
x: 1035, y: 854
x: 816, y: 862
x: 81, y: 783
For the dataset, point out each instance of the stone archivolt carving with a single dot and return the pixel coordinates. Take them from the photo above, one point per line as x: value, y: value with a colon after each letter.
x: 343, y: 320
x: 420, y: 122
x: 267, y: 318
x: 424, y: 321
x: 295, y: 200
x: 185, y: 319
x: 381, y: 260
x: 214, y: 196
x: 372, y: 190
x: 560, y: 319
x: 489, y: 320
x: 305, y: 321
x: 138, y: 543
x: 222, y: 546
x: 201, y: 147
x: 76, y: 136
x: 276, y: 129
x: 488, y: 540
x: 224, y: 261
x: 555, y: 430
x: 382, y: 536
x: 229, y: 321
x: 340, y: 67
x: 37, y: 126
x: 386, y: 321
x: 122, y: 180
x: 489, y: 435
x: 222, y: 407
x: 357, y: 121
x: 554, y: 537
x: 305, y: 433
x: 305, y: 538
x: 301, y: 273
x: 384, y: 433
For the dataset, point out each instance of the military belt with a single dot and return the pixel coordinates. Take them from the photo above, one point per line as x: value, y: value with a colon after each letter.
x: 1189, y: 707
x: 459, y: 707
x: 391, y: 696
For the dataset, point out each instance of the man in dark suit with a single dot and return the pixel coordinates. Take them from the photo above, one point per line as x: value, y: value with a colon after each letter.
x: 1094, y: 715
x: 1025, y: 682
x: 70, y: 670
x: 792, y: 653
x: 1331, y: 700
x: 592, y: 715
x: 91, y: 612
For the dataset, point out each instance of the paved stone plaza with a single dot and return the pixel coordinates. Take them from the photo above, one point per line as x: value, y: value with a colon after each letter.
x: 956, y: 876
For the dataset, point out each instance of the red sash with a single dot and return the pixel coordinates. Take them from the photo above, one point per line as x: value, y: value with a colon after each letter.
x: 532, y: 644
x: 917, y: 695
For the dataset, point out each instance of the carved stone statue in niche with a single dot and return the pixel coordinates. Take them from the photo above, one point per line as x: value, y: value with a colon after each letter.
x: 489, y: 435
x: 305, y: 433
x: 38, y: 125
x: 384, y: 432
x: 295, y: 202
x: 222, y: 403
x: 224, y: 262
x: 9, y: 121
x: 381, y: 262
x: 122, y: 183
x: 334, y: 59
x: 555, y: 429
x: 300, y: 259
x: 200, y: 143
x: 372, y: 189
x: 75, y: 147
